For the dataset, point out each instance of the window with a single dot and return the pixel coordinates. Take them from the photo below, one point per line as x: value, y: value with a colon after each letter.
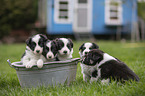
x: 82, y: 1
x: 113, y: 12
x: 63, y: 11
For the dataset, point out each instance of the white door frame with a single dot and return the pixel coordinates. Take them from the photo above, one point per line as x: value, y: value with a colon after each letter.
x: 88, y: 7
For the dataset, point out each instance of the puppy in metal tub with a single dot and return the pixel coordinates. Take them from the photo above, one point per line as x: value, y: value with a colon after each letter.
x: 33, y: 52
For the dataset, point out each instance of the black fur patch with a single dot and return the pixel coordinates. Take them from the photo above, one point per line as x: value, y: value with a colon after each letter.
x: 70, y: 43
x: 53, y: 47
x: 32, y: 44
x: 94, y: 46
x: 113, y: 69
x: 117, y: 71
x: 95, y: 73
x: 94, y: 55
x: 60, y: 44
x: 82, y: 48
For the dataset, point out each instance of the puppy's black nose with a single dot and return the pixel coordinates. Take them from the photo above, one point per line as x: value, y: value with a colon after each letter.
x: 37, y: 51
x: 64, y: 52
x: 86, y: 53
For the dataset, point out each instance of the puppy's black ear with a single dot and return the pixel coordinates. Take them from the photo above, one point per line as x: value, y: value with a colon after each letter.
x: 56, y: 43
x: 95, y: 46
x: 28, y: 41
x: 46, y: 42
x: 43, y: 36
x: 57, y: 39
x: 81, y: 46
x: 71, y: 43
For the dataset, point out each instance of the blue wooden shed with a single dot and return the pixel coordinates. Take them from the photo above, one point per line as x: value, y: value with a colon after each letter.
x: 98, y: 17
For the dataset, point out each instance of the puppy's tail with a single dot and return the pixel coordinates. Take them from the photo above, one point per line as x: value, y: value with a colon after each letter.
x: 133, y: 76
x: 136, y: 78
x: 129, y: 74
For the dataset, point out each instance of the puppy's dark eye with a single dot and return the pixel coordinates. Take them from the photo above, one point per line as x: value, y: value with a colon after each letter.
x: 33, y: 44
x: 47, y: 48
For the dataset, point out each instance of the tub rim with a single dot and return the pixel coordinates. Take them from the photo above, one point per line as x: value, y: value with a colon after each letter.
x: 66, y: 62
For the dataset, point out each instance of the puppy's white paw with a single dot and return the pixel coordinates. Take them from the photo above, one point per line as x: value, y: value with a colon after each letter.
x: 93, y: 79
x: 28, y: 65
x: 105, y: 81
x: 40, y: 63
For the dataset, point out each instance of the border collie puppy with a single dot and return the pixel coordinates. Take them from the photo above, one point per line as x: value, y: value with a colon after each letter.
x: 83, y: 50
x: 33, y: 50
x: 65, y: 49
x: 86, y: 47
x: 50, y: 51
x: 107, y: 67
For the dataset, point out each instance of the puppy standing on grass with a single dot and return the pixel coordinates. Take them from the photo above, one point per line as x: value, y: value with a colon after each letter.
x: 65, y: 49
x: 107, y: 67
x: 83, y: 50
x: 34, y: 51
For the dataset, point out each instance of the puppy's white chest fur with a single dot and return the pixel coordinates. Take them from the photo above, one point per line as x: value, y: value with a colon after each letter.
x: 86, y: 69
x: 31, y: 54
x: 30, y: 59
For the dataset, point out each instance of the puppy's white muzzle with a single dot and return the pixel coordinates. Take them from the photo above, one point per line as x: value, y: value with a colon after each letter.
x: 50, y: 55
x: 64, y: 51
x: 38, y: 50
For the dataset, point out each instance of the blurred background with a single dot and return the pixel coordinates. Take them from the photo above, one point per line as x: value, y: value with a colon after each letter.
x: 76, y: 19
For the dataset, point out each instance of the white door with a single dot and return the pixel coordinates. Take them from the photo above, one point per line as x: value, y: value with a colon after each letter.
x: 82, y: 16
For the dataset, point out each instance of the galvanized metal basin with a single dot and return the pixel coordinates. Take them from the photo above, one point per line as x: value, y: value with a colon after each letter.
x: 52, y: 73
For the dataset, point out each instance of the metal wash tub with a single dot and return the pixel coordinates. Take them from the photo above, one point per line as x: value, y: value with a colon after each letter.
x: 52, y: 73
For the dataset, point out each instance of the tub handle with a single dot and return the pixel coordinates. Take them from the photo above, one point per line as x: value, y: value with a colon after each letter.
x: 10, y: 64
x: 80, y: 60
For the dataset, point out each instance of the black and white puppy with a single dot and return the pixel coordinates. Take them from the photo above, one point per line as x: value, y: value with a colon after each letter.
x: 34, y: 49
x: 83, y: 50
x: 86, y: 47
x: 107, y: 67
x: 65, y: 49
x: 50, y: 51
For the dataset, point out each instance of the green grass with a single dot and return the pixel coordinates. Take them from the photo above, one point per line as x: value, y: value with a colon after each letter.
x: 133, y: 54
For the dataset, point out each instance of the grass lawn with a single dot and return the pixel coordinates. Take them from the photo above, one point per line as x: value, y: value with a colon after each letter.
x: 133, y: 54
